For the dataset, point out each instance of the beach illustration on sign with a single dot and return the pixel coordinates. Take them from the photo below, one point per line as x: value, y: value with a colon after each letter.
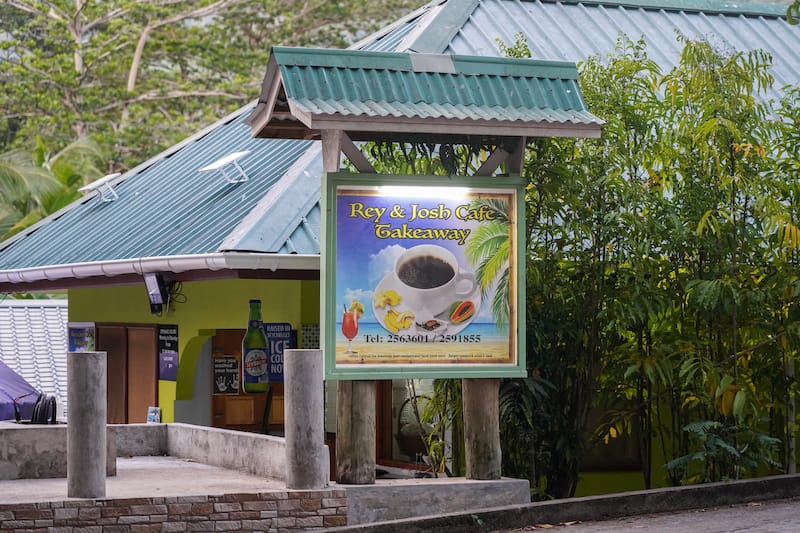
x: 418, y: 271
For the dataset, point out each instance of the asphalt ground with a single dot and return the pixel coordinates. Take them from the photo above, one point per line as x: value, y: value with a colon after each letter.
x: 774, y: 516
x: 768, y: 504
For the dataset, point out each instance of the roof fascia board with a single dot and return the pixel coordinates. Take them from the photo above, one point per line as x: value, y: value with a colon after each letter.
x: 405, y: 62
x: 443, y: 27
x: 271, y: 86
x: 335, y: 58
x: 176, y: 264
x: 300, y: 113
x: 700, y: 6
x: 457, y: 126
x: 502, y: 66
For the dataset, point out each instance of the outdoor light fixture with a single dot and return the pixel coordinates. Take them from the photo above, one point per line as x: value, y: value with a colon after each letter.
x: 404, y: 191
x: 230, y: 160
x: 107, y: 192
x: 157, y: 291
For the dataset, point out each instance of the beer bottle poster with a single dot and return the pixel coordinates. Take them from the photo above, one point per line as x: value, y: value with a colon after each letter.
x: 425, y: 276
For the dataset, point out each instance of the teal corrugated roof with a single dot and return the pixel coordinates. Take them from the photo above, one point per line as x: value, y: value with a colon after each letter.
x: 391, y: 38
x: 167, y: 208
x: 572, y: 31
x: 353, y: 87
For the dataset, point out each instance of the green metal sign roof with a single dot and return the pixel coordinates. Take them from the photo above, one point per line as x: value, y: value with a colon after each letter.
x: 374, y: 94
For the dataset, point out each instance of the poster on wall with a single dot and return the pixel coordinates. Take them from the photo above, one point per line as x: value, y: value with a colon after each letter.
x: 422, y: 277
x: 167, y: 352
x: 279, y: 338
x: 226, y: 375
x: 80, y: 336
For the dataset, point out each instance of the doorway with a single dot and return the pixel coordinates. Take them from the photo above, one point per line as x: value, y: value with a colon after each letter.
x: 132, y: 367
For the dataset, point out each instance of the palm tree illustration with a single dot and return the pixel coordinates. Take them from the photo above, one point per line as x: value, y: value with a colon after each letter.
x: 488, y: 250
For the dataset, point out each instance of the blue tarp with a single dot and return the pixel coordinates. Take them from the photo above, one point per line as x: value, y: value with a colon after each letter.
x: 13, y: 386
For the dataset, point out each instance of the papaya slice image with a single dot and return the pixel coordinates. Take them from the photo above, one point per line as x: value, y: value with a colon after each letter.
x: 460, y: 311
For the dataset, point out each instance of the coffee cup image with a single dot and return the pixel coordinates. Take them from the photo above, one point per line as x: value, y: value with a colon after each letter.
x: 430, y: 279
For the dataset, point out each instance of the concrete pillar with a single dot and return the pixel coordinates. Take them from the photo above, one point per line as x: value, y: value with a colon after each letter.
x: 86, y: 425
x: 306, y: 456
x: 355, y: 432
x: 482, y: 427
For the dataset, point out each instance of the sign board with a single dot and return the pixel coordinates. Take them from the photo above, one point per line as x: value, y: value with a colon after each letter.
x: 226, y: 375
x: 80, y: 336
x: 422, y: 277
x: 168, y: 352
x: 279, y: 338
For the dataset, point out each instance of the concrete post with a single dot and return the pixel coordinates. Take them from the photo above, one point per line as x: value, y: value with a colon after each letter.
x: 355, y: 433
x: 482, y: 428
x: 86, y: 425
x: 306, y: 458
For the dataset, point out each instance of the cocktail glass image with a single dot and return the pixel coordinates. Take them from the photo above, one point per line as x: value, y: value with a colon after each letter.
x: 350, y: 328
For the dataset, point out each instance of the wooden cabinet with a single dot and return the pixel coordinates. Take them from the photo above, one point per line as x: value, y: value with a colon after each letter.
x: 239, y: 410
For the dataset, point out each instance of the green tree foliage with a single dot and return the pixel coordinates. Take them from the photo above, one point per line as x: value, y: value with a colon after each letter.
x: 138, y: 76
x: 793, y: 12
x: 38, y: 183
x: 662, y: 291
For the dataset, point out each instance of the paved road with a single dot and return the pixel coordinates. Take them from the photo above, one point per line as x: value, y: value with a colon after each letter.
x: 778, y: 516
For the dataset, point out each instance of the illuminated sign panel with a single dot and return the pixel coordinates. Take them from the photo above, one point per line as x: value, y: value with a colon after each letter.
x: 422, y: 277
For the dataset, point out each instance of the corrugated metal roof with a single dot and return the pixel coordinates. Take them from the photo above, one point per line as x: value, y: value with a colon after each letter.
x: 322, y: 84
x: 573, y: 31
x: 33, y: 343
x: 391, y: 37
x: 167, y: 208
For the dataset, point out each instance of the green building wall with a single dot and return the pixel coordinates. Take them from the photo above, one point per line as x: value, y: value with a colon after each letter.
x: 201, y: 308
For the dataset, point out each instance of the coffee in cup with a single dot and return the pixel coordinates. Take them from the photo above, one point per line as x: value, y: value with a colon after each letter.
x: 429, y: 279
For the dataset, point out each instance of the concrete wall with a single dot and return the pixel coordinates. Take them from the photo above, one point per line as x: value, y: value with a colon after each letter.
x: 429, y: 497
x: 209, y: 305
x: 37, y: 451
x: 139, y: 439
x: 262, y: 455
x: 31, y: 451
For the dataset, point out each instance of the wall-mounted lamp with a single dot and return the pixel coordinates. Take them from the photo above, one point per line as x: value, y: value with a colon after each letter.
x: 157, y: 291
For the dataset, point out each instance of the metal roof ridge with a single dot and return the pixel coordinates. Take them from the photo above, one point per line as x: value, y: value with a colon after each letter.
x: 699, y: 6
x: 531, y: 67
x: 421, y: 13
x: 174, y: 263
x: 33, y: 302
x: 445, y: 25
x: 405, y: 61
x: 272, y: 196
x: 333, y: 57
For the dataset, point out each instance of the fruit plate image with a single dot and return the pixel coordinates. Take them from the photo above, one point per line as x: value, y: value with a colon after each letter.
x: 396, y: 317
